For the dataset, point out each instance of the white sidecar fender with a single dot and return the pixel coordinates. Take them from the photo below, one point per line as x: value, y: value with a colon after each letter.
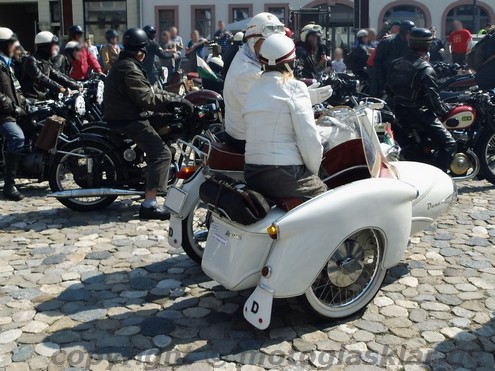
x: 437, y: 191
x: 191, y: 190
x: 309, y: 234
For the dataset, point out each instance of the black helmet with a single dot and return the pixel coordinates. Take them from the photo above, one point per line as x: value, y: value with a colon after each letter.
x: 74, y: 30
x: 420, y: 39
x: 406, y: 26
x: 135, y: 39
x: 150, y: 31
x: 111, y: 34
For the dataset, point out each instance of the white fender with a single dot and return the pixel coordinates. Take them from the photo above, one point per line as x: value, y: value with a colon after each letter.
x: 309, y: 234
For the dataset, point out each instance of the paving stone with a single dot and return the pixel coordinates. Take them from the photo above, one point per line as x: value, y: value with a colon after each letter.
x: 9, y: 335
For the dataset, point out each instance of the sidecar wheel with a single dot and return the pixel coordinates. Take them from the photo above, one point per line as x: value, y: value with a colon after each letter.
x: 195, y: 232
x: 351, y: 277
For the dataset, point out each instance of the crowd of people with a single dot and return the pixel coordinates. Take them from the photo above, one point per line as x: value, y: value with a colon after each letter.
x: 268, y: 112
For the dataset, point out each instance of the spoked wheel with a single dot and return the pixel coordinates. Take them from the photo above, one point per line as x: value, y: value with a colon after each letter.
x: 82, y: 167
x: 351, y: 277
x: 195, y: 232
x: 485, y: 150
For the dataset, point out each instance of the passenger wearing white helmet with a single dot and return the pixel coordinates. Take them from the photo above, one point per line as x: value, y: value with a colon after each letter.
x: 12, y: 108
x: 245, y: 70
x: 38, y: 77
x: 283, y: 147
x: 311, y: 51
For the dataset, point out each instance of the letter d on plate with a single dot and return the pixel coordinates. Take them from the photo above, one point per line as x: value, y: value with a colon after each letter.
x: 258, y: 308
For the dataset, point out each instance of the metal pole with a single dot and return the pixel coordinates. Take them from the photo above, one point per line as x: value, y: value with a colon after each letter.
x: 474, y: 16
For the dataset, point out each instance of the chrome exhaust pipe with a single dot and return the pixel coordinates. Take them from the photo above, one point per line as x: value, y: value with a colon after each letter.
x: 94, y: 192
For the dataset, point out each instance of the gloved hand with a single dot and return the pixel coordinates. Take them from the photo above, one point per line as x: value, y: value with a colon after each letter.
x: 319, y: 95
x: 188, y: 106
x: 19, y: 113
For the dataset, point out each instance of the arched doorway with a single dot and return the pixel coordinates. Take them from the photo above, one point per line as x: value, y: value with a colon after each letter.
x: 464, y: 13
x: 406, y: 12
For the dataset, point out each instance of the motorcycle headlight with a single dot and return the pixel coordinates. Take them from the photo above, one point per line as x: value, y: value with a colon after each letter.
x: 99, y: 92
x: 79, y: 106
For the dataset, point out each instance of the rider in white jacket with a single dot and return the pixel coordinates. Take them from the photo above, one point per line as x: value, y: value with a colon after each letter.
x: 245, y: 70
x: 283, y: 147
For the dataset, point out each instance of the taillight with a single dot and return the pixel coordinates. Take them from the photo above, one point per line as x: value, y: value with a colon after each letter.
x: 186, y: 172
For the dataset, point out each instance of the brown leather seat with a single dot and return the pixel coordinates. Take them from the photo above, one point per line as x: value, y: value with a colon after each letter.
x: 225, y: 157
x: 287, y: 204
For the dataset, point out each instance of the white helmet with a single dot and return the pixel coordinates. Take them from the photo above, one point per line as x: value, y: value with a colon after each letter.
x: 45, y: 37
x: 362, y: 33
x: 262, y: 25
x: 310, y: 28
x: 217, y: 61
x: 277, y: 49
x: 6, y: 34
x: 239, y: 36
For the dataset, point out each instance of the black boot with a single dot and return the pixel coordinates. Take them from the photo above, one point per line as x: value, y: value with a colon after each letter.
x: 153, y: 213
x: 10, y: 170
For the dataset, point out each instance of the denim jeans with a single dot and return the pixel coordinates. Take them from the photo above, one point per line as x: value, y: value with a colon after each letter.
x: 14, y: 136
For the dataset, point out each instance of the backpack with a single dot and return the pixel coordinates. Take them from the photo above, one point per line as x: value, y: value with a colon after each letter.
x: 478, y: 57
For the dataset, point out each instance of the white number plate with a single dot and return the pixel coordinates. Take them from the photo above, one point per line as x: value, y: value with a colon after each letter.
x: 175, y: 200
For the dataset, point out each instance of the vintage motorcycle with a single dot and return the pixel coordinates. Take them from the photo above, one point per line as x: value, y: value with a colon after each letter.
x: 333, y: 250
x: 472, y: 124
x: 98, y: 165
x: 47, y: 126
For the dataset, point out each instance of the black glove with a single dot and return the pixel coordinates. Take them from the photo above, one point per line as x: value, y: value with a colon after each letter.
x: 184, y: 105
x: 19, y: 113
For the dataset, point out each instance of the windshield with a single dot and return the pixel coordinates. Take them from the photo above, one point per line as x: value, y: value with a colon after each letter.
x: 342, y: 124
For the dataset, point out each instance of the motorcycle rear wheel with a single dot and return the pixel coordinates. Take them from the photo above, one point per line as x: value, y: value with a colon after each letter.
x: 351, y: 277
x: 195, y: 232
x: 486, y: 152
x: 67, y: 172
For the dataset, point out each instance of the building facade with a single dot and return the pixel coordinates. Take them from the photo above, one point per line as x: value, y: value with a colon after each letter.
x: 96, y: 16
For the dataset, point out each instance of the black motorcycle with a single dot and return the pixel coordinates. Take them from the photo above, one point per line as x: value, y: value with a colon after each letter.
x: 97, y: 166
x: 48, y: 125
x: 472, y: 124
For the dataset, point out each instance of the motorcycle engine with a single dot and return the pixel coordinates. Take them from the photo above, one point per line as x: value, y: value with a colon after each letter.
x: 33, y: 163
x: 460, y: 164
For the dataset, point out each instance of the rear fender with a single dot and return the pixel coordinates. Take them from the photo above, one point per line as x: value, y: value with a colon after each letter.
x: 309, y: 234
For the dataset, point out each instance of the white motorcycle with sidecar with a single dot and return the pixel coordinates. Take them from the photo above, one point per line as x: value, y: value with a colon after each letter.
x: 333, y: 250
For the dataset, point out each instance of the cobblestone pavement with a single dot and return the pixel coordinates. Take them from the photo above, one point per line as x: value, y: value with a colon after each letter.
x: 104, y: 291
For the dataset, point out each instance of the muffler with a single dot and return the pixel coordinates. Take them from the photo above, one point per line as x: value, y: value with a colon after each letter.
x: 94, y: 192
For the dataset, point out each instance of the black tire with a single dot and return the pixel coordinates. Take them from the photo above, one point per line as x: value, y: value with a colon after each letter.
x: 195, y: 232
x: 107, y: 161
x: 485, y: 150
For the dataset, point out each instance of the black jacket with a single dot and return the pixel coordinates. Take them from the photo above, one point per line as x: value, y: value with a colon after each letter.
x: 154, y: 51
x: 412, y: 84
x: 435, y: 48
x: 387, y: 51
x: 128, y: 94
x: 62, y: 64
x: 39, y: 78
x: 305, y: 57
x: 360, y: 57
x: 10, y: 94
x: 485, y: 77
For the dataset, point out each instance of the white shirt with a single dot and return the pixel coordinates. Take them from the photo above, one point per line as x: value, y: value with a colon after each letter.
x: 280, y: 125
x: 244, y: 71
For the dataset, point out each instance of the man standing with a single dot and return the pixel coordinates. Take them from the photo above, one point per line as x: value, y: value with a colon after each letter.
x: 128, y: 97
x: 154, y: 52
x: 176, y: 39
x: 12, y: 104
x: 195, y: 48
x: 459, y: 43
x: 222, y: 36
x: 87, y: 62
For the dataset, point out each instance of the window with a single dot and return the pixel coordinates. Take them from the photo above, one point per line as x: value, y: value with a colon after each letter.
x: 464, y: 13
x: 203, y: 20
x: 281, y: 11
x: 99, y: 16
x: 166, y: 17
x: 54, y: 12
x: 240, y: 13
x: 406, y: 12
